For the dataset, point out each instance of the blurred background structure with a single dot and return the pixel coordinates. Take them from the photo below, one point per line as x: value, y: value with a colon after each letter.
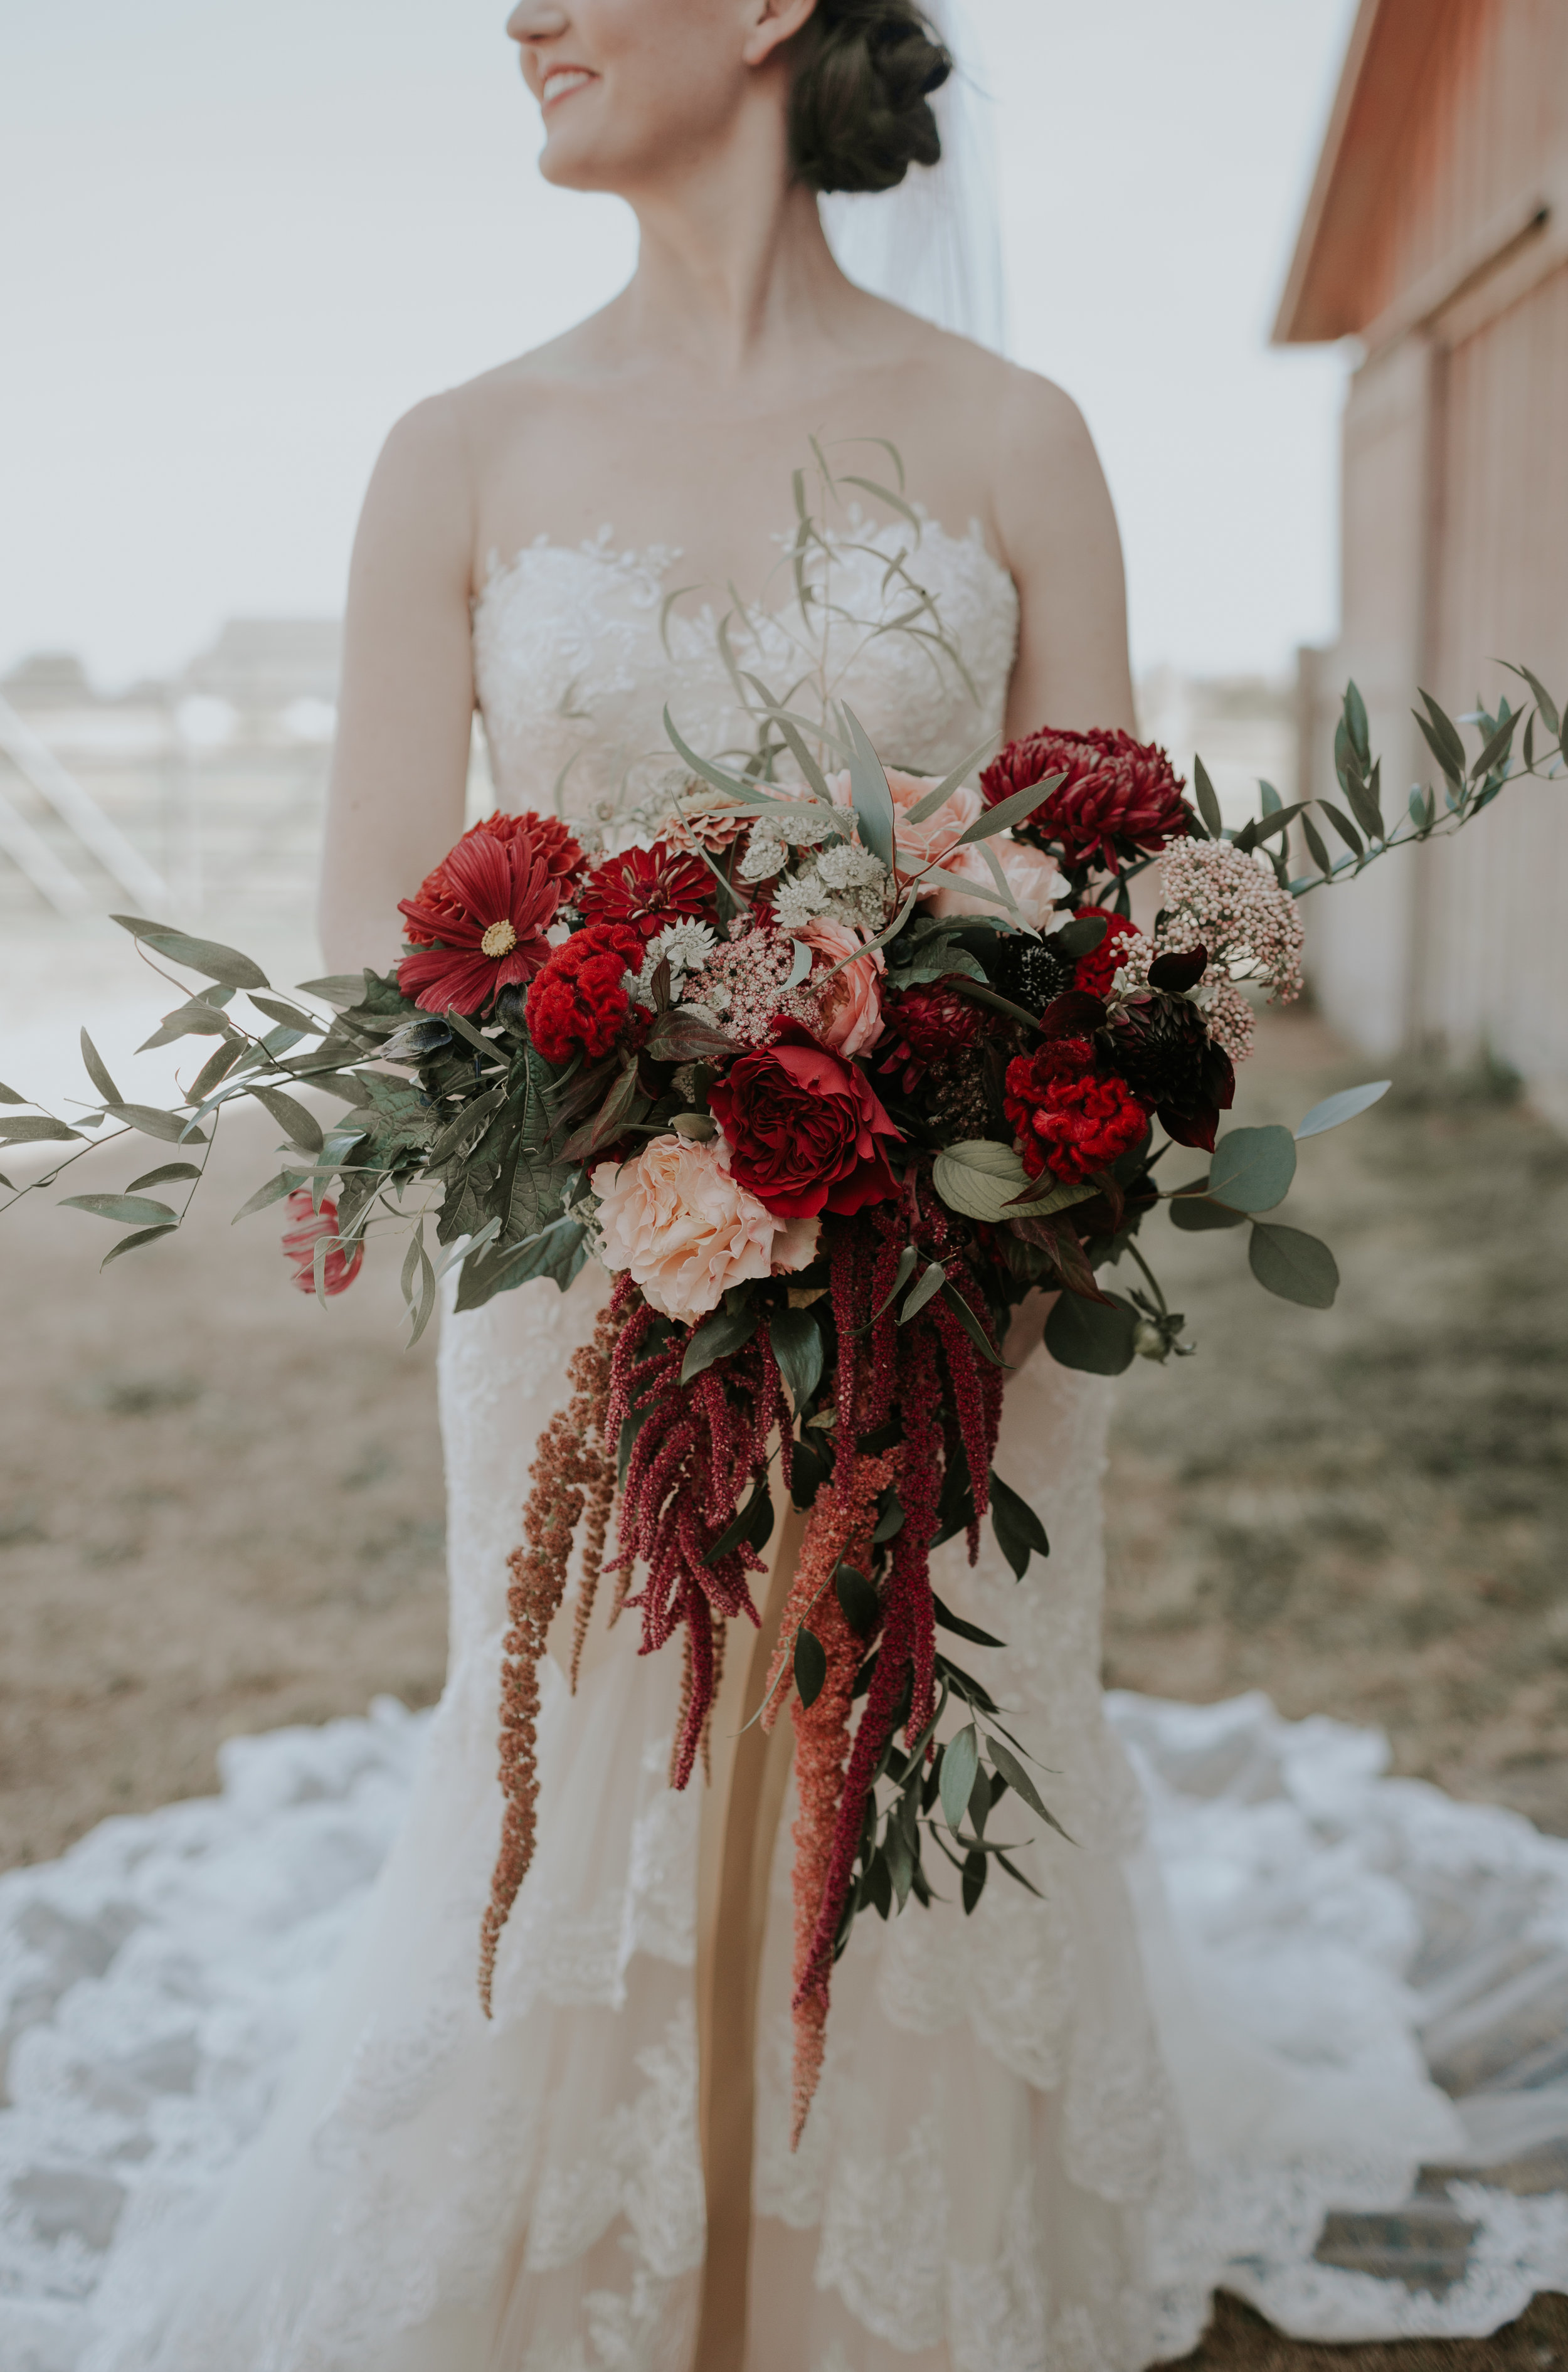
x: 1437, y: 235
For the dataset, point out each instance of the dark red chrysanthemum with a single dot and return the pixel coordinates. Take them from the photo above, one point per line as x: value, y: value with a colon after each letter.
x: 1094, y: 973
x: 309, y: 1228
x: 483, y: 924
x: 648, y: 887
x: 923, y: 1025
x: 579, y: 999
x: 1071, y: 1118
x: 1121, y: 798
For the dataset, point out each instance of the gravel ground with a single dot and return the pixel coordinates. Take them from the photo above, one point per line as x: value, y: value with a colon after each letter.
x: 220, y: 1505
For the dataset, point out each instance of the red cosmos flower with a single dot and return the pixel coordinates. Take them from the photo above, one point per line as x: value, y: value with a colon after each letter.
x: 805, y: 1131
x: 479, y: 922
x: 578, y: 999
x: 310, y: 1229
x: 1071, y: 1118
x: 922, y: 1024
x: 648, y: 888
x: 1094, y: 973
x: 1121, y: 797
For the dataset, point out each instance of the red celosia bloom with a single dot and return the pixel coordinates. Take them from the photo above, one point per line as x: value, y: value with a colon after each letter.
x: 648, y: 887
x: 1072, y: 1118
x: 1095, y: 972
x: 482, y: 926
x: 1121, y: 797
x: 312, y: 1228
x: 922, y: 1024
x: 579, y: 999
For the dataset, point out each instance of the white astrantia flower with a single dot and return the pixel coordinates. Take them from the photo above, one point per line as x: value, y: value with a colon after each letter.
x: 799, y: 901
x: 685, y: 945
x: 765, y: 855
x: 848, y: 868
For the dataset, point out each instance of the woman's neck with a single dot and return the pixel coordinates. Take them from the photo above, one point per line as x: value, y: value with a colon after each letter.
x: 734, y: 275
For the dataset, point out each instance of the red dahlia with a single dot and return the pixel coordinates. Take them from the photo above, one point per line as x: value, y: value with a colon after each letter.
x: 1121, y: 797
x: 1094, y: 973
x: 548, y: 835
x: 1071, y: 1118
x: 923, y: 1025
x: 579, y: 999
x: 479, y: 922
x: 648, y: 888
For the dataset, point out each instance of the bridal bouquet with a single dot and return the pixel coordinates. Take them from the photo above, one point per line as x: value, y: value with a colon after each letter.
x: 828, y: 1067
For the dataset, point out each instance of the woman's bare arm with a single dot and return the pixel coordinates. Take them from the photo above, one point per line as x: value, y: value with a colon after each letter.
x: 1060, y: 539
x: 405, y: 714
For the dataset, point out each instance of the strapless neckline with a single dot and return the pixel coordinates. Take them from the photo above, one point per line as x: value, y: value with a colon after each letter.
x: 580, y: 647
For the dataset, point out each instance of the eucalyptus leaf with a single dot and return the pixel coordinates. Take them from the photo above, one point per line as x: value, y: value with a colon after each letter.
x: 1094, y: 1337
x: 9, y: 1095
x: 42, y: 1131
x: 960, y: 1628
x: 198, y: 1018
x: 208, y: 956
x: 870, y: 792
x: 1252, y: 1168
x: 273, y: 1192
x: 858, y: 1602
x: 986, y: 1179
x: 1335, y: 1110
x: 125, y: 1210
x: 130, y: 1243
x: 971, y: 1326
x: 1293, y: 1265
x: 339, y: 988
x: 960, y: 1760
x: 1019, y: 1779
x: 1196, y: 1216
x: 940, y: 793
x: 151, y: 1122
x: 1208, y: 804
x: 300, y: 1126
x: 164, y: 1176
x: 217, y: 1067
x: 1016, y: 809
x: 930, y: 1285
x: 97, y: 1071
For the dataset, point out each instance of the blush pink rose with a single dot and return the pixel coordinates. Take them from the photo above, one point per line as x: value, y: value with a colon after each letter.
x: 687, y: 1230
x: 1031, y: 876
x: 849, y: 1006
x: 919, y: 844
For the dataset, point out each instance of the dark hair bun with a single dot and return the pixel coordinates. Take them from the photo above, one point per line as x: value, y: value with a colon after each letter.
x: 860, y: 111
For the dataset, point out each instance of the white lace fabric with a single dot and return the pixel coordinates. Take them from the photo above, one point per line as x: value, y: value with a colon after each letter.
x: 256, y: 2122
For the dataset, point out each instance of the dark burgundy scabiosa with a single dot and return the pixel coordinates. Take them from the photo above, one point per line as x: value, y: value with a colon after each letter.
x: 579, y: 1002
x: 1121, y: 798
x: 648, y: 887
x: 1071, y: 1118
x: 923, y: 1025
x: 1162, y: 1048
x: 479, y: 922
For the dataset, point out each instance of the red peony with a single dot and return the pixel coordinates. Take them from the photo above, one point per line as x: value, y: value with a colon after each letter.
x: 479, y: 922
x: 579, y: 999
x: 1121, y: 797
x: 922, y: 1024
x: 1071, y: 1118
x: 648, y: 887
x: 804, y: 1130
x: 1094, y: 973
x: 312, y: 1228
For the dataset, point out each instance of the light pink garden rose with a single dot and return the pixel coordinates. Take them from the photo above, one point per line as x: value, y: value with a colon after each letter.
x: 919, y: 844
x: 676, y: 1218
x: 850, y: 1005
x: 1032, y: 878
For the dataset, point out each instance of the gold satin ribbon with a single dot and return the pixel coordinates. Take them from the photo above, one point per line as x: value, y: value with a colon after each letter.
x: 740, y: 1813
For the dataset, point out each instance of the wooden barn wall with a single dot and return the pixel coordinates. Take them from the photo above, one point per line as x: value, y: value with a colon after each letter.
x: 1455, y: 550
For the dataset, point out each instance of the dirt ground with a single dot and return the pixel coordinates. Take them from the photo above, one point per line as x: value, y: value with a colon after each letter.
x: 220, y: 1505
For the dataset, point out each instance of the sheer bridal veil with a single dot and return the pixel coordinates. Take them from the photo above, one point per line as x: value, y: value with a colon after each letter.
x: 934, y: 244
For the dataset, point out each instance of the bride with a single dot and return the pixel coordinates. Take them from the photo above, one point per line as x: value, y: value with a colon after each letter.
x: 1034, y: 2144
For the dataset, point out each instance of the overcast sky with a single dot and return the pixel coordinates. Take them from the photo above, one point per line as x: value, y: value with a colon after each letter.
x: 236, y: 241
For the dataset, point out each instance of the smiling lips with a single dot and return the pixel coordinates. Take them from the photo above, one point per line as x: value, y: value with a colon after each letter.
x: 561, y: 81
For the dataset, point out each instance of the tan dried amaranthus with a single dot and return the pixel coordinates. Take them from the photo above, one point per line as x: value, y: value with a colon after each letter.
x: 572, y: 1471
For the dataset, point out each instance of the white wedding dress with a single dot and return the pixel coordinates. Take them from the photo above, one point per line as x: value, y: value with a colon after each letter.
x: 256, y: 2122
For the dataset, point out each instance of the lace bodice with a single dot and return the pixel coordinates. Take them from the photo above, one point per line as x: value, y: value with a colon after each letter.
x: 577, y: 649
